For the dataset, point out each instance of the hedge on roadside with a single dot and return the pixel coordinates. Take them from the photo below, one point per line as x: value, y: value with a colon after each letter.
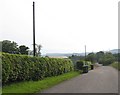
x: 81, y: 63
x: 23, y: 68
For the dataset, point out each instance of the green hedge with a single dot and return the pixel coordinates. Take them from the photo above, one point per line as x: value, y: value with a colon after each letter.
x: 21, y: 67
x: 81, y: 63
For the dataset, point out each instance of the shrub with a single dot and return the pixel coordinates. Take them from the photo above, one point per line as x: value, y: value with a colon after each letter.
x: 107, y: 59
x: 22, y: 67
x: 81, y: 63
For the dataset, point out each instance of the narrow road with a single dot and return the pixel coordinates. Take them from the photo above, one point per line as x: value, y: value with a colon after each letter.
x: 104, y: 79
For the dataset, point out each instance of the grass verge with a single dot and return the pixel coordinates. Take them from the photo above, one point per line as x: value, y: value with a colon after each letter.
x: 115, y: 65
x: 30, y: 87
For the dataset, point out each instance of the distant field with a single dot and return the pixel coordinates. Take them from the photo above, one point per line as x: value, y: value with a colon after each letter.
x: 115, y: 65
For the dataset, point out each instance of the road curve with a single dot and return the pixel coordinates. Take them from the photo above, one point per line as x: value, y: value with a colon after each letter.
x: 104, y: 79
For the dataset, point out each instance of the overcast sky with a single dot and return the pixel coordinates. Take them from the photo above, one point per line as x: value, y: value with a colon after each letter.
x: 62, y: 26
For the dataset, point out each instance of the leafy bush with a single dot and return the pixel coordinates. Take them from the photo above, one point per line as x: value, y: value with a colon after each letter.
x: 22, y: 68
x: 107, y: 59
x: 81, y: 63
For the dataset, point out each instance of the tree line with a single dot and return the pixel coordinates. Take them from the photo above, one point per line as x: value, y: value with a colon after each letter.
x: 13, y: 48
x: 105, y: 58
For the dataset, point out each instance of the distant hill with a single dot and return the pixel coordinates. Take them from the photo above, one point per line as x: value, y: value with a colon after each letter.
x: 114, y: 51
x: 66, y: 54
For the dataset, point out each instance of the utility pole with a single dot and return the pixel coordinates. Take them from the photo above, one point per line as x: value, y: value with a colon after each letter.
x: 33, y: 28
x: 85, y: 53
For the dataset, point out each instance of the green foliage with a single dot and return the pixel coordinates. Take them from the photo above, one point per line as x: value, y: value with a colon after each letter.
x: 76, y: 58
x: 99, y: 56
x: 9, y: 47
x: 81, y: 63
x: 12, y: 47
x: 28, y: 87
x: 107, y: 59
x: 91, y: 57
x: 116, y: 65
x: 21, y: 67
x: 23, y: 49
x: 117, y: 57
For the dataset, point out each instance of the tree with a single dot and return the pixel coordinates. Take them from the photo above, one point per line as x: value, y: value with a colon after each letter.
x: 117, y: 57
x: 107, y: 59
x: 23, y: 49
x: 75, y: 58
x: 99, y: 55
x: 9, y: 47
x: 37, y: 50
x: 91, y: 57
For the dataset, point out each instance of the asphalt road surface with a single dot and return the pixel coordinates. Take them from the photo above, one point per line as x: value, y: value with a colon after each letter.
x: 103, y: 79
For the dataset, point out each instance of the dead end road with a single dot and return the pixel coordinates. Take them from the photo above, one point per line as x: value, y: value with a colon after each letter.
x: 103, y: 79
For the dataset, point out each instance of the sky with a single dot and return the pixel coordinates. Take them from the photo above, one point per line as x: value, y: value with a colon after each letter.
x: 61, y: 26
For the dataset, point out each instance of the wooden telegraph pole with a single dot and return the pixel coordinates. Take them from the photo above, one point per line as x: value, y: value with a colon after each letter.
x: 33, y: 28
x: 85, y: 53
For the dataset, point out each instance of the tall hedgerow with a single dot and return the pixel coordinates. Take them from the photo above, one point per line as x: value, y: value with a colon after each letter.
x: 24, y: 68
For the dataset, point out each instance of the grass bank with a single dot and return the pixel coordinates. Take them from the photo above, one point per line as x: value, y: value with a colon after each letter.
x: 30, y: 87
x: 115, y: 65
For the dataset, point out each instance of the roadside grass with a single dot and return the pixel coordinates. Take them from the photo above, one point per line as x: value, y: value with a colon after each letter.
x: 30, y: 87
x: 115, y: 65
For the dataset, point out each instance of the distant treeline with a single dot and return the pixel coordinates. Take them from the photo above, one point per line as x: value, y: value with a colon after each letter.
x: 100, y: 57
x: 13, y: 48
